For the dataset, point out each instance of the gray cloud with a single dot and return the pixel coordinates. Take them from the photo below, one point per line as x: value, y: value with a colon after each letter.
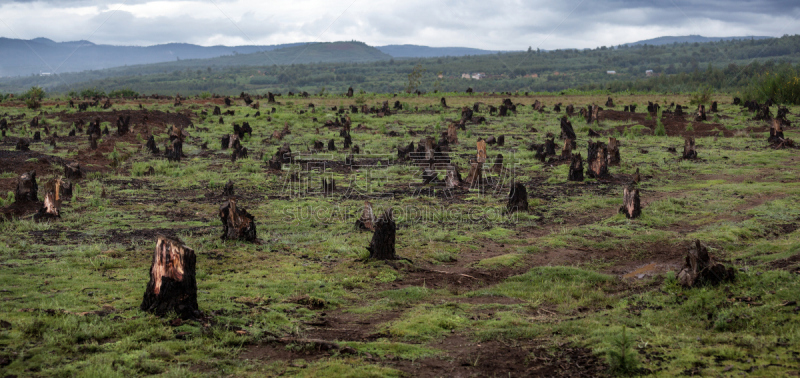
x: 506, y: 24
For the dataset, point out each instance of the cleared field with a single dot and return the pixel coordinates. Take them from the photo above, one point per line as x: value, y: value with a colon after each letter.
x: 545, y: 292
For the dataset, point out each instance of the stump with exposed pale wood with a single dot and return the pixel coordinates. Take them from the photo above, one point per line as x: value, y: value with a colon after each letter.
x: 631, y: 206
x: 368, y: 219
x: 452, y: 178
x: 597, y: 160
x: 172, y: 286
x: 237, y: 223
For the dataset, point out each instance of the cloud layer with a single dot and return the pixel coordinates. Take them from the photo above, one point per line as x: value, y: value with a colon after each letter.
x: 497, y: 25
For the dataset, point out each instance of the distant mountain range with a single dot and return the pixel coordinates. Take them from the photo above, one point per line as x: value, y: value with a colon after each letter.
x: 688, y: 38
x: 416, y: 51
x: 41, y: 55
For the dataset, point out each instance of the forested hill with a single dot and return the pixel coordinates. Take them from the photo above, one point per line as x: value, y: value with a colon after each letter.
x: 689, y: 39
x: 41, y: 55
x: 674, y: 67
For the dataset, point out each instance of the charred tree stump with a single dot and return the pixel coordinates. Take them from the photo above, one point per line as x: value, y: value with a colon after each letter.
x: 701, y: 113
x: 217, y: 111
x: 713, y: 107
x: 597, y: 160
x: 174, y: 150
x: 452, y: 134
x: 123, y: 125
x: 567, y: 150
x: 570, y: 110
x: 50, y: 208
x: 689, y: 149
x: 475, y: 175
x: 151, y: 145
x: 503, y: 112
x: 453, y: 178
x: 227, y: 190
x: 237, y: 223
x: 368, y: 219
x: 576, y: 168
x: 444, y: 103
x: 328, y: 187
x: 27, y: 189
x: 37, y: 136
x: 700, y: 268
x: 498, y: 163
x: 610, y: 102
x: 775, y: 132
x: 517, y: 199
x: 23, y: 145
x: 613, y: 152
x: 382, y: 245
x: 403, y: 152
x: 172, y: 286
x: 549, y: 147
x: 567, y: 132
x: 481, y: 146
x: 631, y: 206
x: 349, y: 92
x: 270, y: 98
x: 501, y: 140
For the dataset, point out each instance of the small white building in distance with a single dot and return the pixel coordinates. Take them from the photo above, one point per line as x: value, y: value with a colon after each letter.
x: 611, y: 72
x: 465, y: 76
x: 478, y: 76
x: 648, y: 73
x: 44, y: 74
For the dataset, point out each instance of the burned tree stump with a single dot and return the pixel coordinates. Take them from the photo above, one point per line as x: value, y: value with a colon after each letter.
x: 452, y: 178
x: 172, y: 286
x: 567, y: 150
x: 50, y: 208
x: 567, y: 132
x: 713, y: 107
x: 501, y: 140
x: 613, y: 152
x: 328, y: 187
x: 481, y: 146
x: 549, y: 147
x: 475, y: 175
x: 27, y: 189
x: 689, y: 149
x: 403, y: 152
x: 610, y: 102
x: 349, y: 92
x: 576, y: 168
x: 517, y: 199
x: 151, y: 145
x: 700, y: 268
x: 498, y: 163
x: 217, y: 111
x: 237, y: 223
x: 631, y: 206
x: 775, y: 131
x: 368, y: 219
x: 701, y: 113
x: 597, y: 160
x: 270, y: 98
x: 227, y: 190
x: 452, y: 134
x: 174, y: 150
x: 23, y: 145
x: 444, y: 103
x: 381, y: 247
x: 123, y: 125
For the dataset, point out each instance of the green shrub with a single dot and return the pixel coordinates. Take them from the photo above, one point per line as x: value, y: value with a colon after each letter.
x: 125, y: 92
x: 703, y: 96
x: 660, y: 130
x: 781, y: 85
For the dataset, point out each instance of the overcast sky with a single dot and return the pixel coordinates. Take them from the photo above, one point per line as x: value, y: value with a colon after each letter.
x: 496, y: 25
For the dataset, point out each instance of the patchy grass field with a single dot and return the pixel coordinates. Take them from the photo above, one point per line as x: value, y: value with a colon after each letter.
x: 569, y: 288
